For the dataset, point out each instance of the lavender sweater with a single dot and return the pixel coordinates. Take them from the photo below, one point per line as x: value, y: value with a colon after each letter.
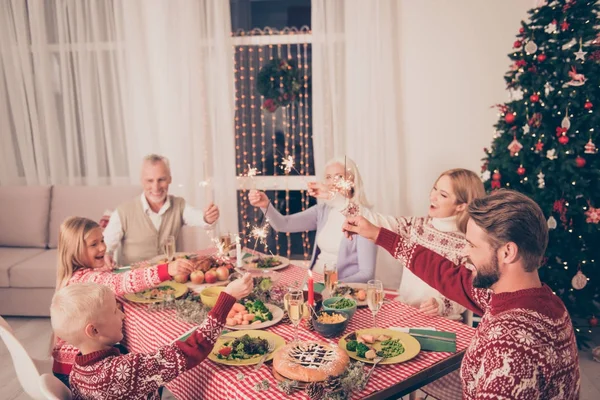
x: 356, y: 257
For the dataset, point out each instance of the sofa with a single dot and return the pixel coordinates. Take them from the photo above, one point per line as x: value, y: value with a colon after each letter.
x: 30, y: 217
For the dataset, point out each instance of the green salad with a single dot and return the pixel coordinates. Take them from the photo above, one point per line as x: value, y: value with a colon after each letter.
x: 243, y: 348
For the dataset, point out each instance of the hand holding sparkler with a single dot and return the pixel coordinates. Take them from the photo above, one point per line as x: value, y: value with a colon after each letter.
x: 319, y: 190
x: 258, y: 199
x: 211, y: 213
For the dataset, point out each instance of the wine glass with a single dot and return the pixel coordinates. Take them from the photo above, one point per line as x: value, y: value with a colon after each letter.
x: 374, y: 298
x: 169, y: 247
x: 331, y: 277
x: 294, y: 303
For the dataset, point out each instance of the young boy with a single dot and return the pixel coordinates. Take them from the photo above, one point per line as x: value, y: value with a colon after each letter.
x: 86, y: 315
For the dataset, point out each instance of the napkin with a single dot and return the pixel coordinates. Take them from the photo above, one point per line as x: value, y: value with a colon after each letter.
x: 435, y: 344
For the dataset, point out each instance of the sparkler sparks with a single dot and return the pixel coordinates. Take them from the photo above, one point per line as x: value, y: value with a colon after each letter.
x: 287, y: 164
x: 252, y: 171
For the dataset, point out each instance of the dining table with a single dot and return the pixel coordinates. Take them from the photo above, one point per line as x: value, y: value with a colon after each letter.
x: 145, y: 330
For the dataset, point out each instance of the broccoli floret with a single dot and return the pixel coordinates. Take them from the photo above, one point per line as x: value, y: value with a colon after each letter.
x: 361, y: 350
x: 351, y: 345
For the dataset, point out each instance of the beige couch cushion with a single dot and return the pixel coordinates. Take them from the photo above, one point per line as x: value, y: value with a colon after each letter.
x: 10, y: 256
x: 85, y: 201
x: 36, y: 272
x: 24, y: 216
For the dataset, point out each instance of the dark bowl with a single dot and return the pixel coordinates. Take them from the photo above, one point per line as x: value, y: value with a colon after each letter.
x: 318, y: 300
x: 331, y: 330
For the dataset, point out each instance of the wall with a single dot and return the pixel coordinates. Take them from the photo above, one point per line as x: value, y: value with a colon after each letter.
x: 454, y: 56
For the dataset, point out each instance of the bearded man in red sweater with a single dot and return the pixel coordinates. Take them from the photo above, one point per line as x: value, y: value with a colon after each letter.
x: 524, y: 347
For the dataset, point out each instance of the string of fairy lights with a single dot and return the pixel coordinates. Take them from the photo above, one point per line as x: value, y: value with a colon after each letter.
x: 254, y: 127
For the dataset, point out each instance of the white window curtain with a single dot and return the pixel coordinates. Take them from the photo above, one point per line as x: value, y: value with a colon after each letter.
x: 356, y: 101
x: 356, y: 95
x: 87, y: 88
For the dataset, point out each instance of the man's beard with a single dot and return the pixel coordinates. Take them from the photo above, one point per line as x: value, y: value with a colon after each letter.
x: 487, y: 275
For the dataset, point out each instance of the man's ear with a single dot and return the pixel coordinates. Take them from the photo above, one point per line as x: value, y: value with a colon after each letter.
x: 509, y: 253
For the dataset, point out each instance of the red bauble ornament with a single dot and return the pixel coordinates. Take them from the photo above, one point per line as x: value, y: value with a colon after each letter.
x: 517, y: 43
x: 580, y: 162
x: 496, y: 185
x: 521, y: 30
x: 509, y: 118
x: 593, y: 321
x: 541, y: 57
x: 564, y: 26
x: 588, y: 105
x: 563, y: 139
x: 539, y: 146
x: 534, y: 98
x: 496, y: 176
x: 521, y: 170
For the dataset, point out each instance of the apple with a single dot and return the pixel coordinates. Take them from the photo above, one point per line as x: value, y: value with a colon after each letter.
x: 210, y: 276
x: 222, y: 273
x: 197, y: 277
x: 181, y: 278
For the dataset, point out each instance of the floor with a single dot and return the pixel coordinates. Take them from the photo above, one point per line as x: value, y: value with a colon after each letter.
x: 34, y: 333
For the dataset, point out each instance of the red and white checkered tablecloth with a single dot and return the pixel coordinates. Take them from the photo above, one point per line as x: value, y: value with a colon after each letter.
x: 146, y: 331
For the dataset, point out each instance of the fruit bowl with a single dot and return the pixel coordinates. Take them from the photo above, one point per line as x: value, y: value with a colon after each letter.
x: 210, y: 295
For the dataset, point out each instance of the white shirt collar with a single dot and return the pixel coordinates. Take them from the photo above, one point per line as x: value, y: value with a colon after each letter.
x: 148, y: 210
x: 447, y: 224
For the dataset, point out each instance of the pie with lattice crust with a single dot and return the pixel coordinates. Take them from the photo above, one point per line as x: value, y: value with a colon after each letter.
x: 310, y: 361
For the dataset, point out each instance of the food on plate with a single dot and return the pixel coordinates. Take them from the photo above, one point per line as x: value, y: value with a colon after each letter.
x: 182, y: 278
x: 310, y: 361
x: 342, y: 303
x: 157, y: 293
x: 347, y: 291
x: 249, y: 313
x: 326, y: 318
x: 197, y: 277
x: 363, y: 346
x: 210, y: 276
x: 391, y: 348
x: 243, y: 348
x: 263, y: 262
x: 222, y: 273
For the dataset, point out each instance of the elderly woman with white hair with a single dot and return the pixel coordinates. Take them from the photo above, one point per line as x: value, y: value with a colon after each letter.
x: 355, y: 259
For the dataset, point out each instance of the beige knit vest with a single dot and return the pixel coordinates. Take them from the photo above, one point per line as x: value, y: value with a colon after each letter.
x: 141, y: 241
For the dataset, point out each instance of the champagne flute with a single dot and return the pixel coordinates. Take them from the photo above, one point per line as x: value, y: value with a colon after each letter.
x: 294, y: 303
x: 331, y: 277
x: 169, y: 247
x: 374, y: 298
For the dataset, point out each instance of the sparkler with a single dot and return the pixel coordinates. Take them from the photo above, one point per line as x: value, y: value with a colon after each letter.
x: 288, y: 164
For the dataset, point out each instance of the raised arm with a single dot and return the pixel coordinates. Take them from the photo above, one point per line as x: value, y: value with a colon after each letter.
x: 299, y: 222
x: 452, y: 281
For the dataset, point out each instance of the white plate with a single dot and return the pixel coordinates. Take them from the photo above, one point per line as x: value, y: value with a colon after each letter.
x: 277, y: 316
x: 284, y: 263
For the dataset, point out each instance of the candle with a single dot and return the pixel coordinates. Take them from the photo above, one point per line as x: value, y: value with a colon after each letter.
x: 238, y: 252
x: 311, y: 289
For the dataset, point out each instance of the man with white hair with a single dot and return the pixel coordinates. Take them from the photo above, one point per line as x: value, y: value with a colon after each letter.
x: 141, y: 226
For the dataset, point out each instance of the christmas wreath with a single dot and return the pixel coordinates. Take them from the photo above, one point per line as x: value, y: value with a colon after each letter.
x: 279, y: 82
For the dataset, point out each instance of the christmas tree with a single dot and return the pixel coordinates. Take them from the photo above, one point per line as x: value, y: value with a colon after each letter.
x: 544, y: 145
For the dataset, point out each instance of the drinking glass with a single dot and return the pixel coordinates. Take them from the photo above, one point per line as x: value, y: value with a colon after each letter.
x: 331, y: 277
x: 375, y: 296
x: 294, y: 304
x: 169, y: 248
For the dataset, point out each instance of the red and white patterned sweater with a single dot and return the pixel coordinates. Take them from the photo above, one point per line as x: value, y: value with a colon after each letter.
x: 523, y: 348
x: 128, y: 282
x: 109, y: 375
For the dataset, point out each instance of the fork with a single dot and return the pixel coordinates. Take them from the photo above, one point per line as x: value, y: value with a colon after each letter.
x: 376, y: 361
x: 264, y: 356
